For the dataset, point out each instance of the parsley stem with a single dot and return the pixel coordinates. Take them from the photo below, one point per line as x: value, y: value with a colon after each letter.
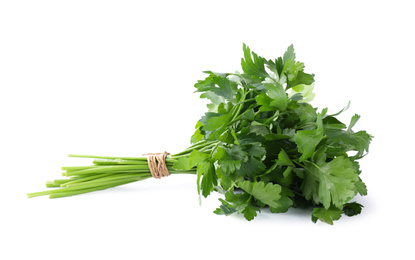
x: 103, y: 162
x: 107, y: 157
x: 253, y: 185
x: 236, y: 116
x: 246, y: 100
x: 109, y: 171
x: 65, y: 192
x: 196, y: 146
x: 214, y: 148
x: 80, y: 180
x: 298, y: 163
x: 111, y: 168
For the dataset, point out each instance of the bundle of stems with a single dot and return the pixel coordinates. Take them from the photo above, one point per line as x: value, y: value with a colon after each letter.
x: 108, y: 171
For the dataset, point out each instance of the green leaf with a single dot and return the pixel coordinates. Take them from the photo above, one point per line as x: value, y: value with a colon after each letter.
x: 301, y: 79
x: 217, y: 88
x: 225, y: 209
x: 187, y: 163
x: 307, y: 140
x: 255, y: 149
x: 246, y: 137
x: 319, y: 156
x: 250, y: 212
x: 284, y: 159
x: 230, y: 159
x: 275, y: 98
x: 272, y: 66
x: 293, y: 70
x: 289, y: 54
x: 342, y: 137
x: 341, y: 111
x: 306, y: 112
x: 248, y: 115
x: 330, y: 183
x: 267, y: 194
x: 286, y: 178
x: 197, y: 136
x: 206, y: 171
x: 252, y: 167
x: 352, y: 209
x: 331, y: 122
x: 343, y: 141
x: 363, y: 140
x: 182, y: 164
x: 305, y: 91
x: 214, y: 99
x: 265, y: 102
x: 259, y: 129
x: 284, y: 203
x: 227, y: 180
x: 214, y: 124
x: 326, y: 215
x: 255, y: 66
x: 361, y: 187
x: 238, y: 203
x: 197, y: 157
x: 273, y: 137
x: 226, y: 88
x: 278, y: 95
x: 223, y: 75
x: 353, y: 121
x: 309, y: 186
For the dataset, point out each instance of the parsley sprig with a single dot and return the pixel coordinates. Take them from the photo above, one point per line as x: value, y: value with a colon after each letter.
x: 261, y: 144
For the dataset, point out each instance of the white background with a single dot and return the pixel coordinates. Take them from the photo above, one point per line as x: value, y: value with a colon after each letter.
x: 116, y: 78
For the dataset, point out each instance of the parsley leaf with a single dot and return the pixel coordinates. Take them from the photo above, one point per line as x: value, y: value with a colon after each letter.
x: 266, y: 193
x: 239, y: 203
x: 230, y: 159
x: 277, y: 95
x: 255, y: 66
x: 220, y: 86
x: 326, y: 215
x: 352, y: 209
x: 307, y: 140
x: 206, y: 172
x: 331, y: 183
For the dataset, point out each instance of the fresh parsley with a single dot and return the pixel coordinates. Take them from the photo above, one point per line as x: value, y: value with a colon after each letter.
x: 261, y: 144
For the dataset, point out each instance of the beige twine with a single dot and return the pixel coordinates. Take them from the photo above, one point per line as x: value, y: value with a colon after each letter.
x: 157, y: 164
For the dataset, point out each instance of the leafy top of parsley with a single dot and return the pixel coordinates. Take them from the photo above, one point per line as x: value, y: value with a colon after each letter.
x: 262, y: 144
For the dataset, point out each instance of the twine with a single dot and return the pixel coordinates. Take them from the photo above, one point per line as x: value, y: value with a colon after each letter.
x: 157, y: 164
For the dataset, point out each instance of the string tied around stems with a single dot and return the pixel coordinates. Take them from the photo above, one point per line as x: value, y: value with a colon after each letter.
x: 157, y: 164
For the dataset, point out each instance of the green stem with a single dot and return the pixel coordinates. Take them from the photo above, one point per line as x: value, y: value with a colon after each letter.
x: 85, y: 179
x: 192, y: 147
x: 108, y: 181
x: 107, y: 157
x: 78, y: 192
x: 108, y: 172
x: 119, y: 161
x: 298, y: 163
x: 202, y: 147
x: 111, y: 168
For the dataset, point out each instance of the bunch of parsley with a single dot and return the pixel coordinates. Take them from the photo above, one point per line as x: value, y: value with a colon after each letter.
x: 261, y: 144
x: 272, y: 148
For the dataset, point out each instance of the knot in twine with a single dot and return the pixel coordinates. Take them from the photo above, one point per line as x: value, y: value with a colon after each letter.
x: 157, y: 164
